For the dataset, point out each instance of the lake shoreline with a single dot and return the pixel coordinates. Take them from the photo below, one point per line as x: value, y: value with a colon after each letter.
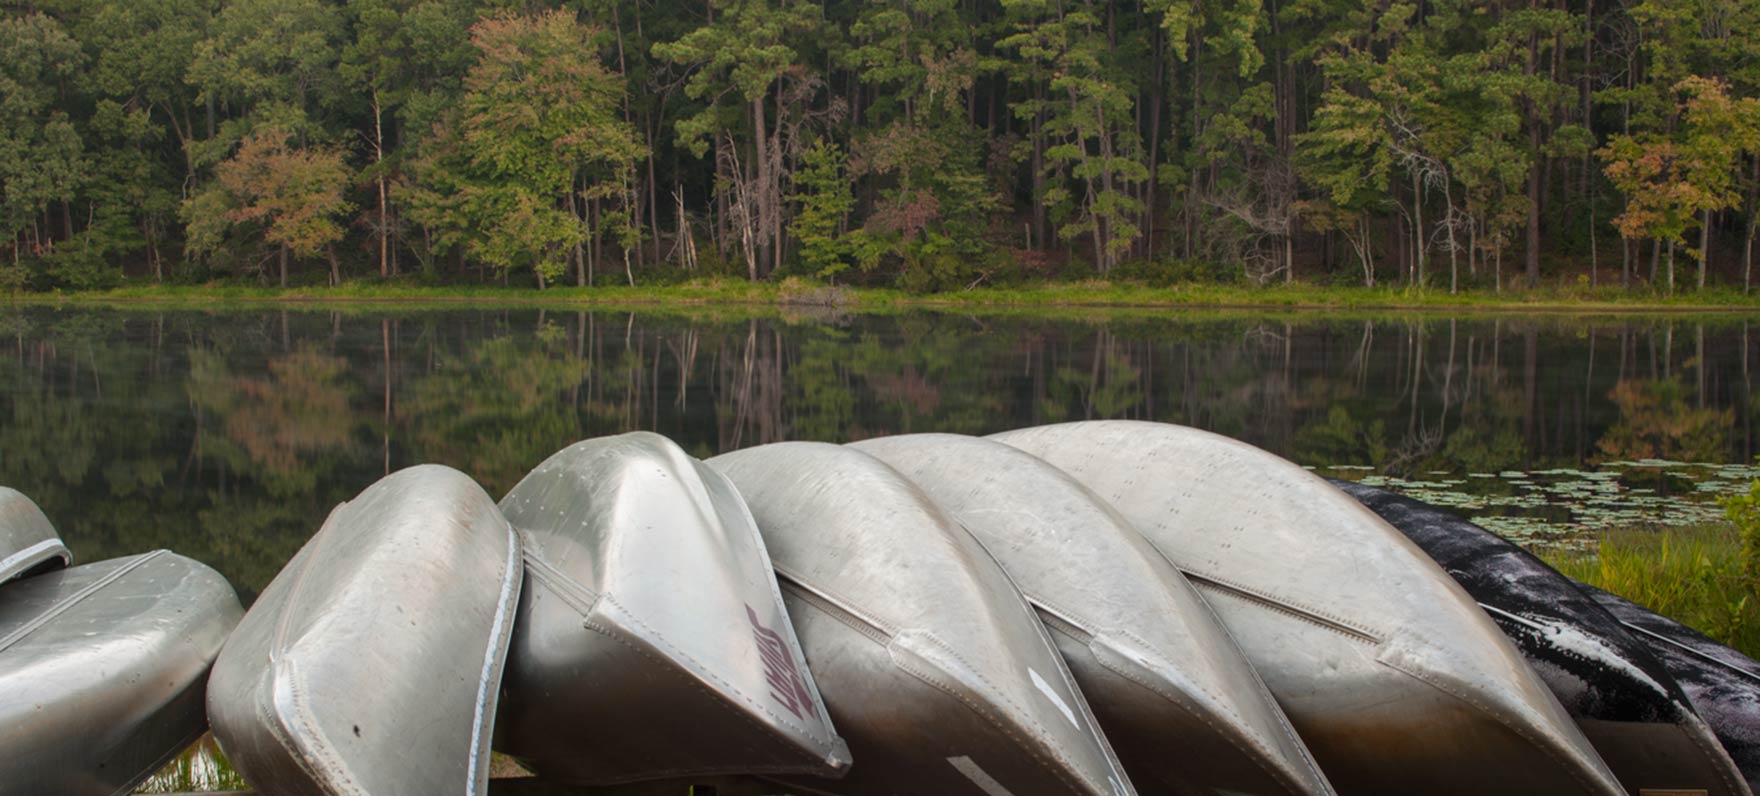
x: 794, y: 294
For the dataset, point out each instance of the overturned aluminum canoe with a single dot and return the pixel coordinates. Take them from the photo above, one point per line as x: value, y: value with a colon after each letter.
x: 28, y: 542
x: 371, y: 663
x: 102, y: 670
x: 1396, y: 680
x: 1180, y: 703
x: 1621, y: 696
x: 651, y: 639
x: 934, y: 667
x: 1722, y: 684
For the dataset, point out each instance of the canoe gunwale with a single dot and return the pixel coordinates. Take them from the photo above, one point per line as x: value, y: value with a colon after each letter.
x: 29, y: 544
x: 1289, y: 608
x: 818, y: 598
x: 39, y: 557
x: 1687, y: 650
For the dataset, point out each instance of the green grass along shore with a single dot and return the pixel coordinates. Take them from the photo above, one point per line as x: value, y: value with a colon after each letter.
x: 1049, y: 296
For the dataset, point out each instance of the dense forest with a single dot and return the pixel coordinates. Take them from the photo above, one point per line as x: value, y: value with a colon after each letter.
x: 931, y: 144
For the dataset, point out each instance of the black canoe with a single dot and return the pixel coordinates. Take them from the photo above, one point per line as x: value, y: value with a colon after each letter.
x: 1722, y: 684
x: 1623, y: 697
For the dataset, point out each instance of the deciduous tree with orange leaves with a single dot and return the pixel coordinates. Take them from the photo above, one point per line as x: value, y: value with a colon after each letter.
x: 1674, y: 182
x: 293, y: 194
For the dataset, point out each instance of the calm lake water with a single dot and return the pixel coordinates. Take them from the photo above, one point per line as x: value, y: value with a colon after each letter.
x: 228, y: 436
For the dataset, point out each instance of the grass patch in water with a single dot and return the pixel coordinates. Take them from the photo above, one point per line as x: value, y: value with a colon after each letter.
x: 1694, y: 574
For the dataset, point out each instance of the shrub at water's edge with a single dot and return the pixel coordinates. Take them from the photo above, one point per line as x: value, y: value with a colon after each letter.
x: 1697, y: 575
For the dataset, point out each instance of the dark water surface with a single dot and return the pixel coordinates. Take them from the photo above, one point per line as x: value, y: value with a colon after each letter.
x: 228, y: 436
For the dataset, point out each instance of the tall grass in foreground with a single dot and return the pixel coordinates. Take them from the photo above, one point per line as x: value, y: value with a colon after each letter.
x: 1696, y: 575
x: 202, y: 767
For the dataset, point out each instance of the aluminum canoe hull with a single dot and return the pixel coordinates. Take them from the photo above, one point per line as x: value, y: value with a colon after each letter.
x: 651, y: 639
x: 102, y: 671
x: 1395, y: 679
x: 1184, y: 709
x: 1621, y: 695
x: 1722, y: 684
x: 28, y: 542
x: 372, y: 662
x: 934, y: 667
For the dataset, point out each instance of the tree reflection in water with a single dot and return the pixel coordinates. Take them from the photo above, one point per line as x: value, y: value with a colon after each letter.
x: 229, y: 436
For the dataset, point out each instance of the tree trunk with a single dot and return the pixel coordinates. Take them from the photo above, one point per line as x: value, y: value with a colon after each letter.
x: 379, y: 164
x: 1036, y: 131
x: 1753, y: 221
x: 283, y: 262
x: 1533, y: 252
x: 1748, y: 258
x: 1671, y: 266
x: 1419, y: 239
x: 653, y: 186
x: 1704, y: 247
x: 778, y: 239
x: 1156, y: 97
x: 580, y: 257
x: 1104, y: 237
x: 763, y: 182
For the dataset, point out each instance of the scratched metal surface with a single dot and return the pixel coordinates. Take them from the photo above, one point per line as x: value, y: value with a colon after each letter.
x: 372, y: 662
x: 1620, y: 694
x: 1394, y: 677
x: 1154, y: 662
x: 652, y: 640
x: 28, y: 542
x: 934, y: 667
x: 102, y: 671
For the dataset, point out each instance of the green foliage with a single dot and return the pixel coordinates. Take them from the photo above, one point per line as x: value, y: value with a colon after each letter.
x: 1174, y: 271
x: 1672, y: 181
x: 41, y: 157
x: 293, y: 194
x: 824, y: 201
x: 1699, y: 576
x: 1743, y: 511
x: 536, y: 131
x: 1302, y: 139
